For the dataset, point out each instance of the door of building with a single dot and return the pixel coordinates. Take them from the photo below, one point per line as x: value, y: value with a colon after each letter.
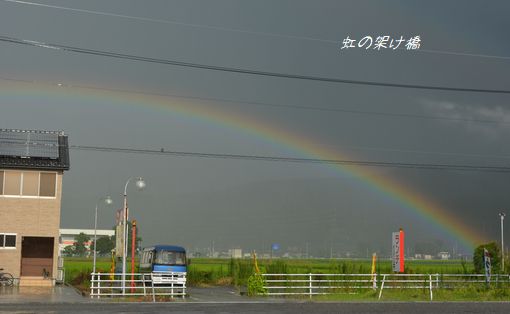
x: 37, y: 256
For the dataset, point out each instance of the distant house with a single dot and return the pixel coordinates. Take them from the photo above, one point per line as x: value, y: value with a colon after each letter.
x: 443, y: 255
x: 67, y: 236
x: 32, y: 164
x: 235, y: 253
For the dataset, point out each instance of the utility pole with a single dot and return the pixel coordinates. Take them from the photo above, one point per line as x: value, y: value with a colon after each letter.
x: 502, y: 216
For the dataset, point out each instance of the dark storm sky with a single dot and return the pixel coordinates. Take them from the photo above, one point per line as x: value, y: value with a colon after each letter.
x: 195, y: 201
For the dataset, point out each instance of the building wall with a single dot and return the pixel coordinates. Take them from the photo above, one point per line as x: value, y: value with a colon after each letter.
x: 29, y: 216
x: 236, y: 253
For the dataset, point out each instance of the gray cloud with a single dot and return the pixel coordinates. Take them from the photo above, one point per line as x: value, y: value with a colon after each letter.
x: 491, y: 121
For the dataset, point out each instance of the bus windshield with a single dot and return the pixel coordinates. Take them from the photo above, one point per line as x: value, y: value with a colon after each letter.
x: 170, y: 258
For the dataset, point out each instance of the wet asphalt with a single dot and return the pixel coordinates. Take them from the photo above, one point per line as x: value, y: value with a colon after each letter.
x: 63, y: 299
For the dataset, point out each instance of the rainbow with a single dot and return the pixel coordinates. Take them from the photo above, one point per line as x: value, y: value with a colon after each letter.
x: 411, y: 200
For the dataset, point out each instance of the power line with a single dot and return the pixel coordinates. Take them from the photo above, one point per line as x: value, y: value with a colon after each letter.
x: 345, y: 162
x: 423, y: 152
x: 463, y: 54
x: 390, y: 150
x: 163, y: 21
x: 229, y: 29
x: 263, y: 104
x: 240, y: 70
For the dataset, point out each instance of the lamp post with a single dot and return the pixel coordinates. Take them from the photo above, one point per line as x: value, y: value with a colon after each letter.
x: 502, y: 216
x: 140, y: 184
x: 108, y: 201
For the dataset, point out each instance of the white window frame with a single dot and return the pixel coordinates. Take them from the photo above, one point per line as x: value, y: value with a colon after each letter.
x: 3, y: 247
x: 3, y: 183
x: 20, y: 195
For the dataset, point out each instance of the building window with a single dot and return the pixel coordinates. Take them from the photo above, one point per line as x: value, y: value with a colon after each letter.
x: 12, y: 183
x: 30, y: 183
x: 47, y: 186
x: 7, y: 240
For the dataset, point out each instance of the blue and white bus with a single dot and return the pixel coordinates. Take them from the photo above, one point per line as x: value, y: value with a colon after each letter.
x: 167, y: 263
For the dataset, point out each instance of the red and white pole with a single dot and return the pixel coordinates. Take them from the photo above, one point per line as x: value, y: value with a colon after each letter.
x: 133, y: 248
x: 402, y: 248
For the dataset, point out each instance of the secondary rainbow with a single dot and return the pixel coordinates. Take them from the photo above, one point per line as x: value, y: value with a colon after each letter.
x: 311, y: 148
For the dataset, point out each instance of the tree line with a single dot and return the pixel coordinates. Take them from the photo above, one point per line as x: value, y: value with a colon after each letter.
x: 104, y: 245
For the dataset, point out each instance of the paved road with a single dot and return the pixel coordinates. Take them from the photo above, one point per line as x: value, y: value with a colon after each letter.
x: 39, y: 294
x: 222, y: 294
x: 256, y: 307
x: 216, y: 300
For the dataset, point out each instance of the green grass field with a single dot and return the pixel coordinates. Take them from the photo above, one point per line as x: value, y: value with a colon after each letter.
x: 210, y: 271
x: 222, y: 266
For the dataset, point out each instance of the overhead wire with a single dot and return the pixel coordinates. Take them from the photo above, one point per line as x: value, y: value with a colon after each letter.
x: 124, y: 56
x: 344, y: 162
x: 230, y: 29
x: 163, y: 21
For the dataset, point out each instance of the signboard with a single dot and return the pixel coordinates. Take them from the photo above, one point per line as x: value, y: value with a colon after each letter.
x: 119, y: 240
x: 275, y: 246
x: 119, y: 234
x: 397, y: 252
x: 118, y: 216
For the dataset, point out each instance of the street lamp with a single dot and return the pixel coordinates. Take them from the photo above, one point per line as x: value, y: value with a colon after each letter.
x: 502, y: 216
x: 140, y: 184
x: 108, y: 201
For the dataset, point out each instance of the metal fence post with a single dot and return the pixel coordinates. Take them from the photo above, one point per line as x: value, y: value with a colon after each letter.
x: 153, y: 293
x: 382, y: 286
x: 95, y: 285
x: 144, y: 289
x: 310, y: 278
x: 430, y: 286
x: 184, y: 287
x: 98, y: 285
x: 92, y: 286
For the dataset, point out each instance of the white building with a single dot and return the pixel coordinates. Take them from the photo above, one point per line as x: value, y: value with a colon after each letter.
x: 235, y: 253
x: 443, y: 255
x: 67, y: 236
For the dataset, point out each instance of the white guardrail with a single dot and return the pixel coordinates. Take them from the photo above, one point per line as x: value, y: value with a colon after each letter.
x: 170, y: 284
x: 319, y: 284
